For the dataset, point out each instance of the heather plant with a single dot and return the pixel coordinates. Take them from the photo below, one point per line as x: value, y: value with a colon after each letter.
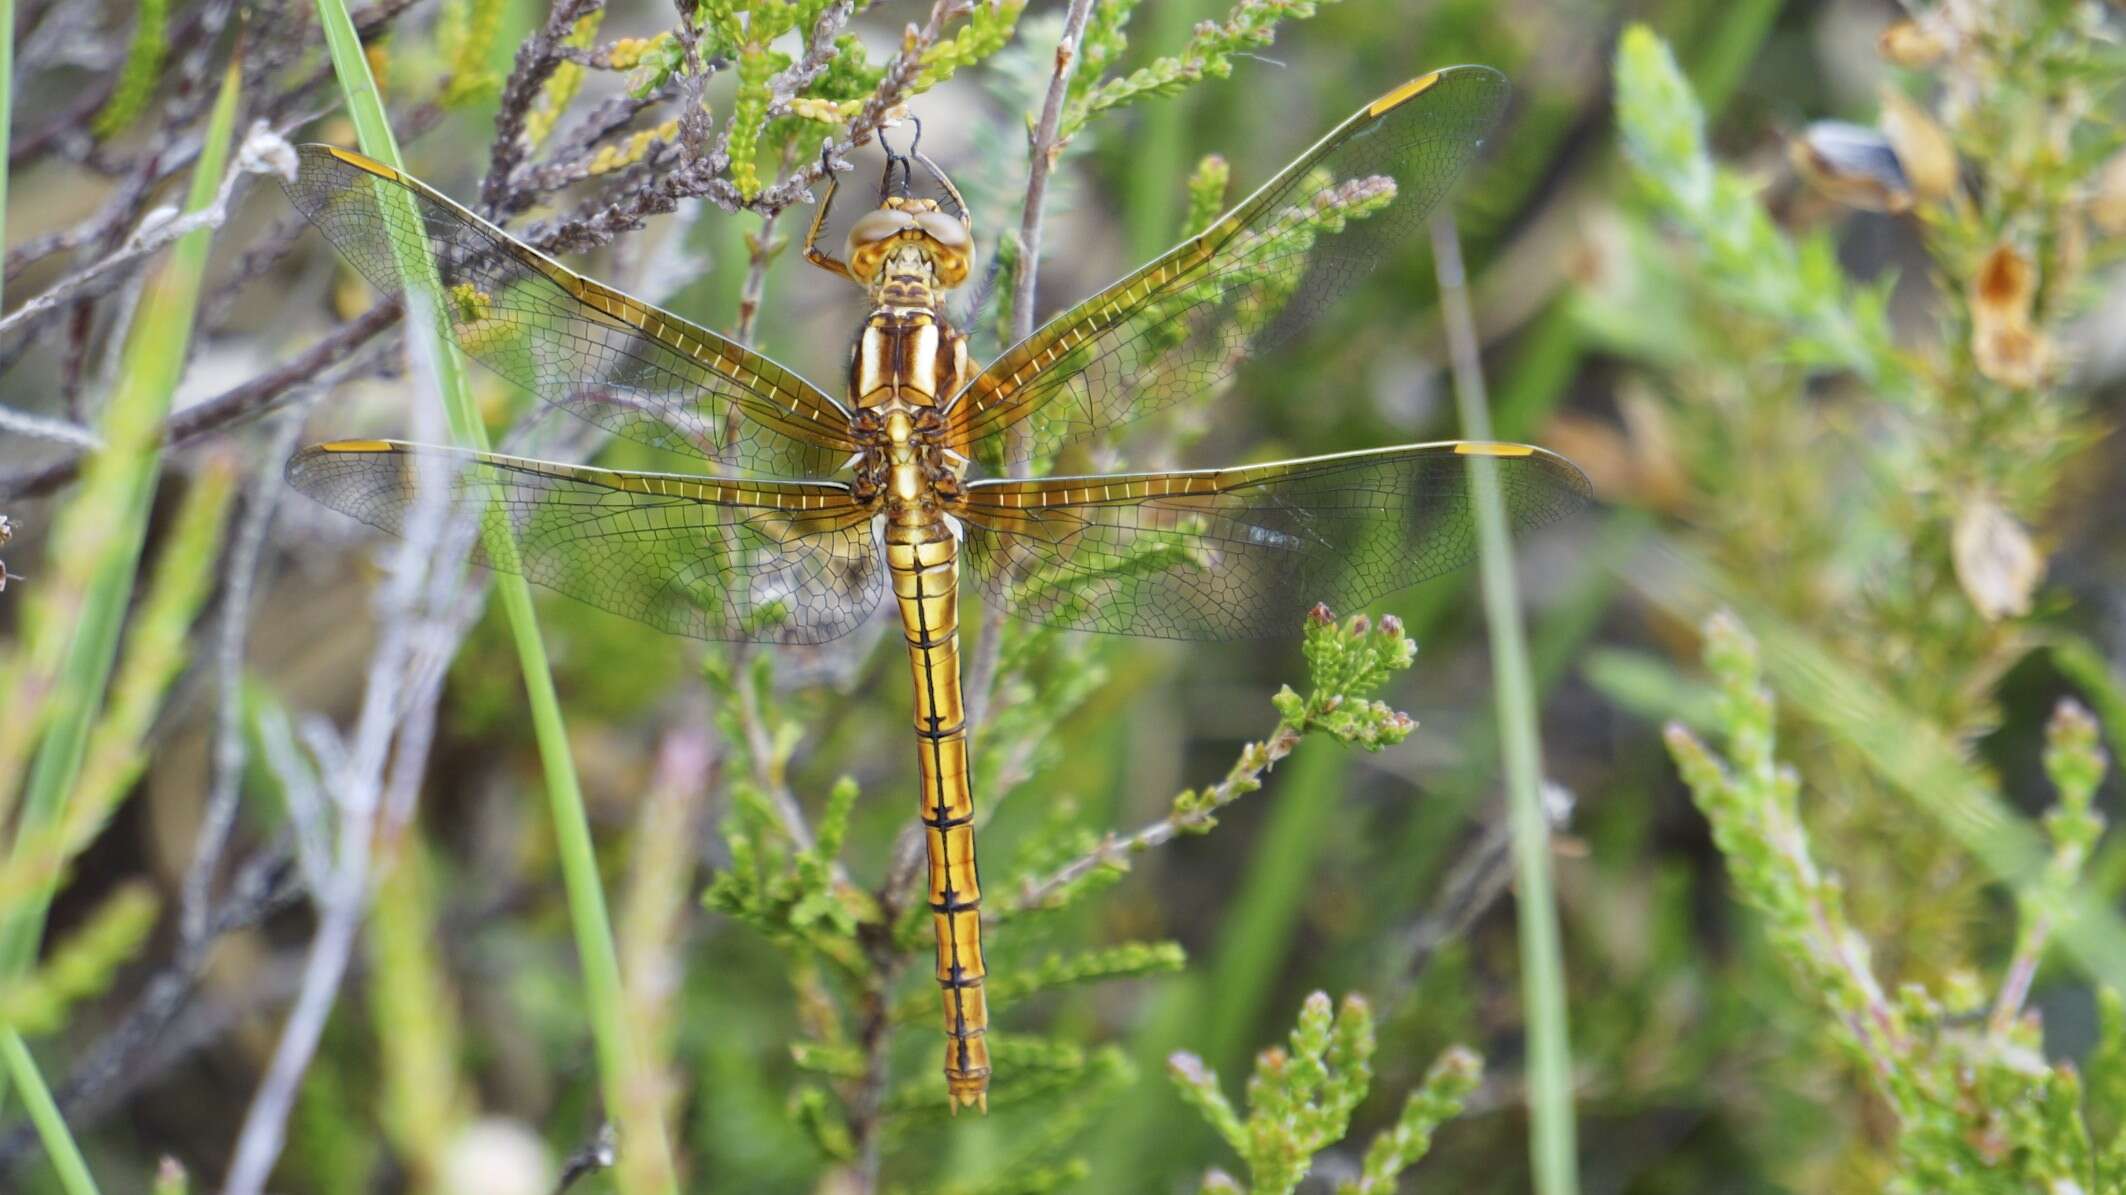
x: 1300, y: 1099
x: 1869, y: 490
x: 850, y: 948
x: 1960, y: 1063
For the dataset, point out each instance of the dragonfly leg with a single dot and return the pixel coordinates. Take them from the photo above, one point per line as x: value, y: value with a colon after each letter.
x: 813, y: 253
x: 958, y: 203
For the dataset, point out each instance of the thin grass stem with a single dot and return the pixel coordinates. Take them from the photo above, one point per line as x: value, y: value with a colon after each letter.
x: 72, y: 1168
x: 7, y: 100
x: 590, y: 923
x: 1551, y: 1146
x: 107, y: 521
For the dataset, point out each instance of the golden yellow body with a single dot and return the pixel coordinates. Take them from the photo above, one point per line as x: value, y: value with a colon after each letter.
x: 907, y: 361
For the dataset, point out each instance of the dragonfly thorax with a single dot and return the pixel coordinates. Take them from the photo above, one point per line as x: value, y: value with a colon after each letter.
x: 904, y: 461
x: 905, y: 357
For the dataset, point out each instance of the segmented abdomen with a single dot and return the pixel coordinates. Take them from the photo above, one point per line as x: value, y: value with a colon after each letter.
x: 926, y: 582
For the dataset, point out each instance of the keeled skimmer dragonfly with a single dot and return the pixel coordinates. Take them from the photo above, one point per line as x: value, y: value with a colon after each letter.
x: 749, y: 555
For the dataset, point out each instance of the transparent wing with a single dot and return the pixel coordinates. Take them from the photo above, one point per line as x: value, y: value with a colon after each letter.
x: 1244, y: 553
x: 1185, y: 321
x: 780, y: 562
x: 620, y: 363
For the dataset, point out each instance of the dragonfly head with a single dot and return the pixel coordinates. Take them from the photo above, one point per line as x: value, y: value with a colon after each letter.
x: 912, y: 232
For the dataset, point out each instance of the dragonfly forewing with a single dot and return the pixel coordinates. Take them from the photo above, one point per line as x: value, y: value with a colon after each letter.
x: 624, y: 365
x: 1184, y: 322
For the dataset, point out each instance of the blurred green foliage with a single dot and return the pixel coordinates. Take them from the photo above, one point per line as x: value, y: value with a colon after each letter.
x: 1976, y: 1108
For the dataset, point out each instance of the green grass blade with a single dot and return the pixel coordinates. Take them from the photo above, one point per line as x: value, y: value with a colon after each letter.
x: 66, y: 1157
x: 106, y: 522
x: 7, y: 100
x: 110, y: 512
x: 1549, y: 1070
x: 586, y: 897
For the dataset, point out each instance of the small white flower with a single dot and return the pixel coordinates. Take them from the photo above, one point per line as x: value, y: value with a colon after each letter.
x: 497, y: 1156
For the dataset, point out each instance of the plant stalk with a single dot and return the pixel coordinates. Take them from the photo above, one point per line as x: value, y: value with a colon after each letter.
x: 66, y: 1157
x: 118, y: 492
x: 590, y: 922
x: 1552, y: 1146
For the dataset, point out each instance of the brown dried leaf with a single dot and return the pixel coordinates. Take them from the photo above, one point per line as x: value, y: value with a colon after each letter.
x: 1912, y: 45
x: 1663, y: 483
x: 1600, y: 449
x: 1996, y: 563
x: 2006, y: 284
x: 2016, y: 357
x: 2107, y: 206
x: 1922, y: 146
x: 2007, y: 347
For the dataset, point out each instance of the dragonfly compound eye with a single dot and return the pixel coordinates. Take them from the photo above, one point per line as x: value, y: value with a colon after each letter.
x: 871, y: 239
x: 953, y: 247
x: 940, y: 237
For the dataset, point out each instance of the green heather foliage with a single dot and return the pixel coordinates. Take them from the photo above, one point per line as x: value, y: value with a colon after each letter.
x: 1207, y: 186
x: 81, y: 967
x: 415, y: 1023
x: 988, y: 29
x: 1210, y: 52
x: 1300, y: 1101
x: 467, y: 35
x: 1748, y: 263
x: 1875, y: 497
x: 848, y: 963
x: 138, y: 76
x: 1977, y: 1105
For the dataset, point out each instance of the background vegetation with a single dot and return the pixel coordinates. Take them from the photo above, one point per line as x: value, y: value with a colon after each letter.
x: 1825, y: 297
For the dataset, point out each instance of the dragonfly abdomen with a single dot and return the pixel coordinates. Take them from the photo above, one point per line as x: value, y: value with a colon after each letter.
x: 924, y: 561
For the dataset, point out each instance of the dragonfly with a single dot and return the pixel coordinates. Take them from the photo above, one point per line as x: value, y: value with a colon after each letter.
x: 769, y: 544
